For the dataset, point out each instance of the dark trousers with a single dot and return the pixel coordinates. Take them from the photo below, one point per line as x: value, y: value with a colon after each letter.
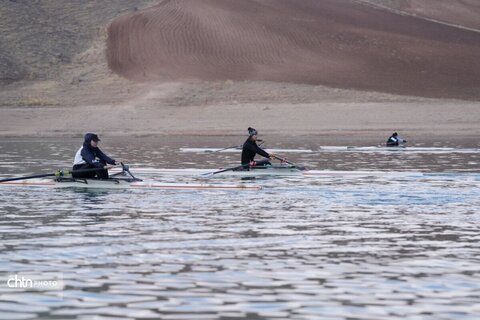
x: 261, y: 163
x: 100, y: 173
x: 392, y: 144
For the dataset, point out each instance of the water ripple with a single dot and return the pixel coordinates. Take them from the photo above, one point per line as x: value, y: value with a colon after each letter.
x: 345, y: 247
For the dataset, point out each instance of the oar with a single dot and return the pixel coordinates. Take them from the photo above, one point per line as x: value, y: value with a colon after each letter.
x: 58, y: 173
x: 299, y: 167
x: 262, y: 162
x: 232, y: 147
x: 227, y: 169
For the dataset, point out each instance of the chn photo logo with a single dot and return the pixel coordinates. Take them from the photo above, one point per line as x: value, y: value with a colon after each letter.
x: 34, y: 282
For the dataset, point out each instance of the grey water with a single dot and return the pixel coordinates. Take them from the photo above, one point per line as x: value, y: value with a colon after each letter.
x: 343, y: 247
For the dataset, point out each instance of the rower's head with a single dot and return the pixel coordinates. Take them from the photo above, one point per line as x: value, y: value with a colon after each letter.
x: 92, y: 139
x: 252, y: 133
x: 395, y: 134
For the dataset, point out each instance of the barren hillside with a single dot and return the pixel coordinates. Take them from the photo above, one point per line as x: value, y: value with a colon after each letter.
x: 203, y: 67
x: 40, y: 37
x: 338, y: 43
x: 53, y: 52
x: 465, y: 13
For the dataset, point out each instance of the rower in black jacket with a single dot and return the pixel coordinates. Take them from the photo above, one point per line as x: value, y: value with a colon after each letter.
x: 89, y: 156
x: 250, y: 149
x: 394, y: 140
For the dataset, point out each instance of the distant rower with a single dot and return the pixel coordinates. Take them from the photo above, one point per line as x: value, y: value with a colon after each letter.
x: 395, y: 140
x: 89, y: 156
x: 250, y: 149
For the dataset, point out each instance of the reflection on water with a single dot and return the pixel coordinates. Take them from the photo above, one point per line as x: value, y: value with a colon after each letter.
x: 344, y: 247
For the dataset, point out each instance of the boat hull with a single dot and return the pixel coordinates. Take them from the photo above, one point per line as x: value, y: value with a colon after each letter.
x: 274, y: 171
x: 231, y: 150
x: 125, y: 184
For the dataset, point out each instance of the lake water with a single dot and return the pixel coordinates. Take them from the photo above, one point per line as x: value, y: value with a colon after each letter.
x: 400, y: 245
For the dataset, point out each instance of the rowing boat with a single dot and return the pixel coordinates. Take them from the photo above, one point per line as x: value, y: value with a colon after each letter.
x: 236, y: 149
x: 287, y: 172
x: 253, y: 172
x: 123, y: 183
x: 403, y: 148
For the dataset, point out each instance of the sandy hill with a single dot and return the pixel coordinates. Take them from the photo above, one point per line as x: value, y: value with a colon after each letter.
x: 54, y: 52
x: 202, y: 67
x: 465, y: 13
x: 338, y: 43
x: 39, y: 38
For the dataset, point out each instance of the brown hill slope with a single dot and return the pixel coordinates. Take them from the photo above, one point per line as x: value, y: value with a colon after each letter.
x: 338, y: 43
x: 52, y: 52
x: 40, y: 38
x: 464, y: 13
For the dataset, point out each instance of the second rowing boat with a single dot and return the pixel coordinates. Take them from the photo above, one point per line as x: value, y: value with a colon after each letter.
x: 261, y: 171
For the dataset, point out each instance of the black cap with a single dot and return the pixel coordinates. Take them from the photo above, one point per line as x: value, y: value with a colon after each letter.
x: 91, y: 137
x: 252, y: 131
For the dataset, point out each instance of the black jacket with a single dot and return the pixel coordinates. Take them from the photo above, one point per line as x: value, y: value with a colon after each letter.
x: 90, y: 154
x: 250, y: 149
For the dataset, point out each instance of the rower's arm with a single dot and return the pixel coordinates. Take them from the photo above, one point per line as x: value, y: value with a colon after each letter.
x: 90, y: 157
x: 258, y: 150
x: 105, y: 158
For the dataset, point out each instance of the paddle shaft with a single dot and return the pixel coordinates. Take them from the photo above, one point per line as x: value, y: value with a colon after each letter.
x: 228, y: 169
x: 232, y: 147
x: 290, y: 163
x: 238, y: 167
x: 219, y: 150
x: 29, y: 177
x: 59, y: 173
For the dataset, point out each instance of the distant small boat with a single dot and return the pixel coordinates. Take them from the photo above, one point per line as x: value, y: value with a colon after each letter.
x: 383, y: 148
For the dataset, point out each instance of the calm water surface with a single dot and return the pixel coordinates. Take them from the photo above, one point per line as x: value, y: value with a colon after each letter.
x: 385, y: 246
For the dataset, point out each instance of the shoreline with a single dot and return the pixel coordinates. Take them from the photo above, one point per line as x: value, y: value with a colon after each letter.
x: 271, y: 140
x: 425, y: 122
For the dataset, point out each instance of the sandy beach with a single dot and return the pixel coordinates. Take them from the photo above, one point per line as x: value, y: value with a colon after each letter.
x: 423, y: 121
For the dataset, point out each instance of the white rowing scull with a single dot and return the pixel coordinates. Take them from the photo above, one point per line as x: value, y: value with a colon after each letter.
x: 267, y: 171
x: 286, y: 172
x: 239, y: 148
x: 120, y: 180
x: 124, y: 183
